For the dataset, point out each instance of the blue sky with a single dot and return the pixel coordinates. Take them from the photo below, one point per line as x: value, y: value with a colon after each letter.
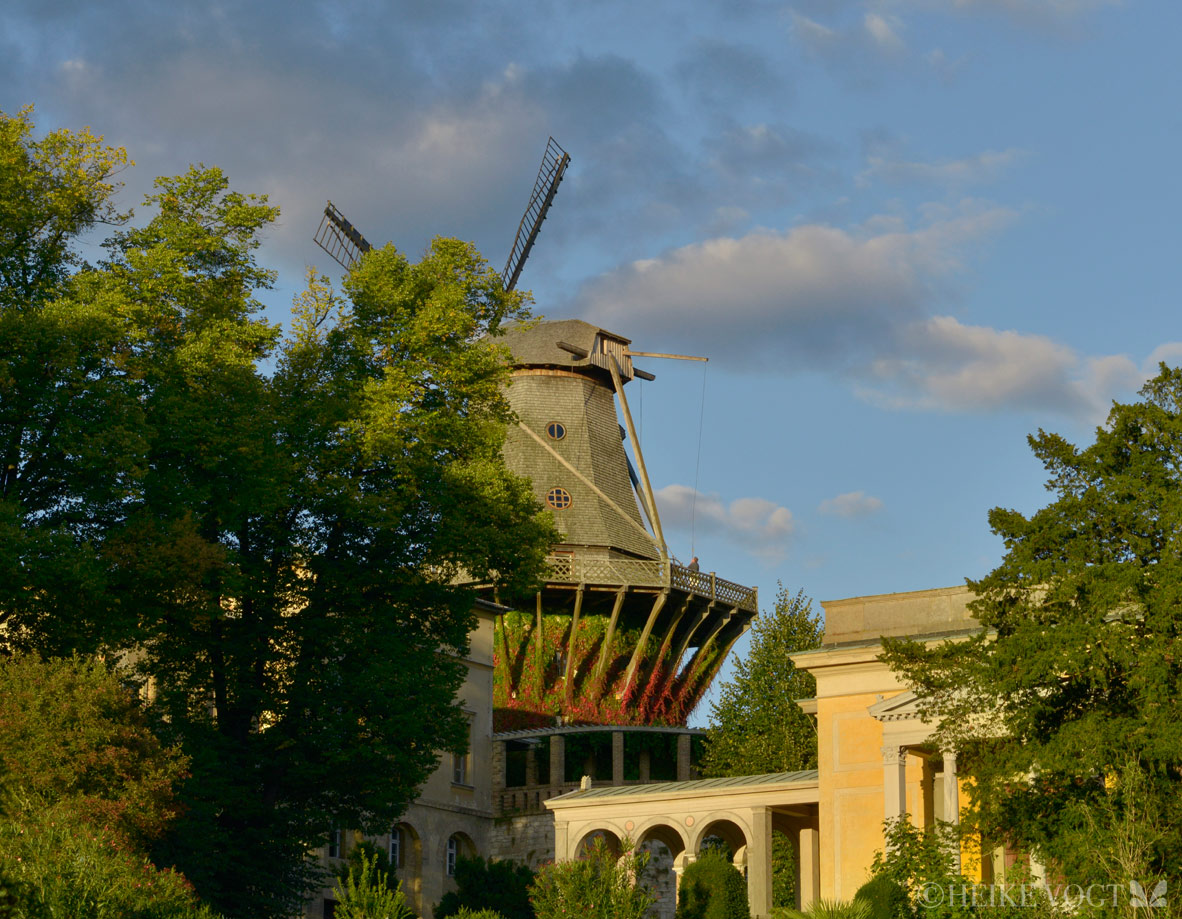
x: 907, y: 233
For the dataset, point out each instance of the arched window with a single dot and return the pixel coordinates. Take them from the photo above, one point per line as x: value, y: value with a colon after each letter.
x: 453, y: 850
x: 396, y: 850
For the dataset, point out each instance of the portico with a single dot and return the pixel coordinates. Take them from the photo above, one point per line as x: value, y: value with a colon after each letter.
x: 682, y: 817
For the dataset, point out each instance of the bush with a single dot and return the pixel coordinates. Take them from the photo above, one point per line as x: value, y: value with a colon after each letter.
x: 498, y: 886
x: 886, y: 897
x: 597, y: 886
x: 712, y: 888
x: 365, y: 893
x: 828, y: 909
x: 63, y: 866
x: 466, y: 913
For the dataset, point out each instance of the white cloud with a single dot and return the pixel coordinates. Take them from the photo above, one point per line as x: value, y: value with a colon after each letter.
x: 856, y: 49
x: 762, y: 526
x: 858, y: 305
x: 813, y: 297
x: 948, y: 366
x: 980, y: 167
x: 851, y: 504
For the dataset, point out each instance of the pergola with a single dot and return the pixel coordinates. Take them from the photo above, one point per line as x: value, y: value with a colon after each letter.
x: 742, y: 811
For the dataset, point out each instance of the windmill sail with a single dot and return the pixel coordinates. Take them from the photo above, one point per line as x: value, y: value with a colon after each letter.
x: 553, y: 167
x: 340, y: 239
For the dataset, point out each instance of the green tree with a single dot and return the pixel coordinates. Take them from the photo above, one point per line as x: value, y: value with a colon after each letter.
x: 756, y: 726
x: 600, y: 885
x: 365, y: 892
x: 712, y: 888
x: 499, y: 886
x: 1067, y: 706
x: 74, y: 738
x: 281, y: 528
x: 87, y: 788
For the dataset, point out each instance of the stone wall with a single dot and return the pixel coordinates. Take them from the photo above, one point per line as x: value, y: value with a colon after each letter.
x: 528, y: 839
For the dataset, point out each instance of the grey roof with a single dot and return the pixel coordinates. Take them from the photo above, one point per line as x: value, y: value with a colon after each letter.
x: 589, y: 728
x: 537, y: 344
x: 807, y: 776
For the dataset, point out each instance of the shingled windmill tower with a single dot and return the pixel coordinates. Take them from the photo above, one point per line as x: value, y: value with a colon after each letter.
x: 620, y: 633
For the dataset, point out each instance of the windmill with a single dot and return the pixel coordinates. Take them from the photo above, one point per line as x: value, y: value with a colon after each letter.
x: 620, y: 633
x: 345, y: 244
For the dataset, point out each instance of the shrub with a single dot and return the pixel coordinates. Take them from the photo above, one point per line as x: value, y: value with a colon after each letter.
x: 828, y: 909
x: 365, y: 893
x: 712, y: 888
x: 597, y: 886
x: 465, y: 913
x: 63, y: 866
x: 499, y: 886
x: 886, y: 897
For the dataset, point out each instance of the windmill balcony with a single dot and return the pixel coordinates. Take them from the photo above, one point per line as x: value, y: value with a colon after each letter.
x: 612, y: 572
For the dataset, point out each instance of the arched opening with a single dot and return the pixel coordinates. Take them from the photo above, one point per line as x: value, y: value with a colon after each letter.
x: 610, y: 839
x: 725, y: 836
x: 405, y: 851
x: 459, y: 845
x: 663, y: 844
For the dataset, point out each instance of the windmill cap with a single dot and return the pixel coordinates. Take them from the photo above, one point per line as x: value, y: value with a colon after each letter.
x: 542, y: 345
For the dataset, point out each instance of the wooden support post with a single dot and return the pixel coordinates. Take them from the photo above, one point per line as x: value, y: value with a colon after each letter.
x: 569, y: 676
x: 638, y: 653
x: 541, y: 652
x: 648, y: 488
x: 610, y: 635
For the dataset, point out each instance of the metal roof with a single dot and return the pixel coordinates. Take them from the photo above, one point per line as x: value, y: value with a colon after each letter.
x: 589, y: 728
x: 807, y: 776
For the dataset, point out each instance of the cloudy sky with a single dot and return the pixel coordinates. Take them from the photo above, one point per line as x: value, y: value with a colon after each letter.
x: 905, y: 232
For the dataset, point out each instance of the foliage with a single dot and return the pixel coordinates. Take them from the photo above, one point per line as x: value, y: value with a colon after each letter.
x: 73, y: 736
x: 712, y: 888
x: 828, y: 909
x: 756, y: 725
x: 497, y: 886
x: 885, y: 897
x: 365, y: 854
x: 365, y: 893
x: 466, y: 913
x: 276, y: 526
x: 87, y: 787
x: 783, y: 870
x: 1076, y: 676
x: 596, y: 886
x: 65, y: 866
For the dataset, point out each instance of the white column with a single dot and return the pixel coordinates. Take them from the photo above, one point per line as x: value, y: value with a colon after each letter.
x: 951, y: 793
x: 680, y: 863
x: 808, y: 887
x: 759, y: 864
x: 952, y: 800
x: 894, y: 782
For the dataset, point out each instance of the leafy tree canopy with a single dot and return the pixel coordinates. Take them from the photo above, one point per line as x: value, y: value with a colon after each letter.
x: 281, y: 527
x: 1067, y: 708
x: 756, y: 726
x: 73, y: 737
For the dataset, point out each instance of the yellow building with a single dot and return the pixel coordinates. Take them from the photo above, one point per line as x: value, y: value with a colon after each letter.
x: 874, y: 756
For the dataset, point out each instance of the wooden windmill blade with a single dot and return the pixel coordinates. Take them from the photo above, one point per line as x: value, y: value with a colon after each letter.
x: 554, y: 163
x: 340, y: 239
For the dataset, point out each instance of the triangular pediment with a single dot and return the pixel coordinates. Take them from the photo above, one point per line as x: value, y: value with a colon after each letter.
x: 903, y: 707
